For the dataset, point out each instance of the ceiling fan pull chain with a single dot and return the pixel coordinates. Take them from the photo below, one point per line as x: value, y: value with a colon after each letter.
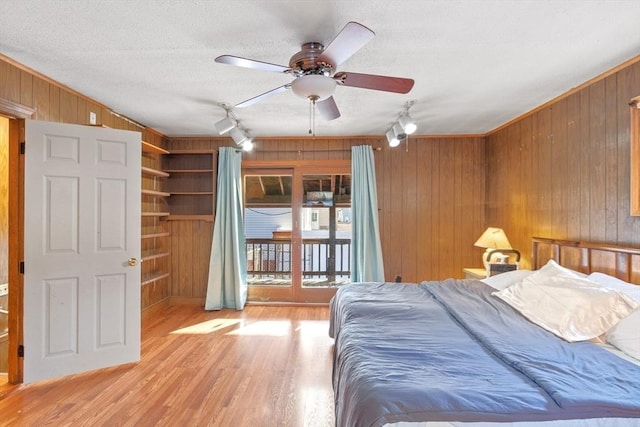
x: 310, y: 116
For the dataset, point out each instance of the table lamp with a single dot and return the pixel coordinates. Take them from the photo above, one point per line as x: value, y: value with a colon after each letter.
x: 493, y: 238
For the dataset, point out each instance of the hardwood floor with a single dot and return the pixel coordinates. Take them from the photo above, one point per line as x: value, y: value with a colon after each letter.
x: 264, y: 366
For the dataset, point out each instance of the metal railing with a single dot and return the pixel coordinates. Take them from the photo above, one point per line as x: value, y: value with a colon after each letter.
x: 320, y: 258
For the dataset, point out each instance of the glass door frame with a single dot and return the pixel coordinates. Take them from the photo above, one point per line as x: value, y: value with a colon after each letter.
x: 296, y: 293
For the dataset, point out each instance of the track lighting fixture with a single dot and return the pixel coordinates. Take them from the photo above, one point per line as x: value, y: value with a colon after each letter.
x: 237, y: 135
x: 391, y: 138
x: 407, y: 124
x: 225, y: 125
x: 401, y: 128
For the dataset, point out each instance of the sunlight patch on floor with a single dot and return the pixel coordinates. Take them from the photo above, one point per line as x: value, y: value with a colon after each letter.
x: 207, y: 327
x: 273, y: 328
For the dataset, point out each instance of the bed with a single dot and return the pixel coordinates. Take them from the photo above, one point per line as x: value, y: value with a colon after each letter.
x: 464, y: 352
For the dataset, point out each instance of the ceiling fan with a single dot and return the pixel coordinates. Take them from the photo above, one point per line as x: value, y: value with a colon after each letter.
x: 314, y: 71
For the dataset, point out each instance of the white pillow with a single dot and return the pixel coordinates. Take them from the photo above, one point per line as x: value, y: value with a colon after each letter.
x: 625, y: 335
x: 614, y: 283
x: 552, y: 268
x: 504, y: 280
x: 573, y: 308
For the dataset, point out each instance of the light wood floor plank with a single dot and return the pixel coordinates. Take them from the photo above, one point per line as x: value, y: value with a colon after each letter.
x: 263, y: 366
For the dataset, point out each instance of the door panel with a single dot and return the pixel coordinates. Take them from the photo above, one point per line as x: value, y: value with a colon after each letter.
x: 82, y: 224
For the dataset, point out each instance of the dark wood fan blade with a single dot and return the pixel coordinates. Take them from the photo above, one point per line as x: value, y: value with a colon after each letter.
x: 371, y: 81
x: 328, y: 109
x: 252, y: 63
x: 348, y: 41
x: 262, y: 96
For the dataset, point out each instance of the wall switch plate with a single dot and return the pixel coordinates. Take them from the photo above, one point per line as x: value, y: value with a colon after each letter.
x: 4, y: 289
x: 92, y: 118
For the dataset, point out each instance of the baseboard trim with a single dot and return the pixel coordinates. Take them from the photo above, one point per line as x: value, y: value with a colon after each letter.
x: 154, y: 308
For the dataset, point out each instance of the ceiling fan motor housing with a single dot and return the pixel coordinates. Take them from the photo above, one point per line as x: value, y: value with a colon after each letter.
x: 304, y: 62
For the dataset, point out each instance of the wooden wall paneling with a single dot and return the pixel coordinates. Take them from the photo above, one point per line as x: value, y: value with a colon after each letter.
x: 9, y: 82
x: 41, y: 99
x: 436, y: 205
x: 559, y: 169
x: 394, y: 244
x: 54, y: 103
x: 611, y: 195
x: 411, y: 210
x: 544, y: 172
x: 597, y: 142
x: 26, y: 88
x: 424, y: 232
x: 479, y: 194
x: 446, y: 226
x: 68, y: 107
x: 573, y: 165
x: 585, y: 164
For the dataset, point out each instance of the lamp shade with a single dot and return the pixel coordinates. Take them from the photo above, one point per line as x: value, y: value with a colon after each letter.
x: 493, y: 238
x: 313, y: 85
x: 225, y: 125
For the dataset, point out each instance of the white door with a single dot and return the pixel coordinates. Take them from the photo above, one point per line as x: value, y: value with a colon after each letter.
x: 82, y: 225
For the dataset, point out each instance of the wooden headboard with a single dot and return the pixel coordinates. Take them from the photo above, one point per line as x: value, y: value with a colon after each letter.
x: 619, y: 261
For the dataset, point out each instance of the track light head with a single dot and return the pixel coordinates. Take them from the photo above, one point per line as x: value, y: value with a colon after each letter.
x: 407, y: 124
x: 225, y: 125
x: 400, y: 133
x: 391, y: 138
x: 237, y: 135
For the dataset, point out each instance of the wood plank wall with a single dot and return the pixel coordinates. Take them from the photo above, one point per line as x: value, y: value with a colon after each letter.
x: 564, y: 171
x: 430, y: 197
x: 55, y: 103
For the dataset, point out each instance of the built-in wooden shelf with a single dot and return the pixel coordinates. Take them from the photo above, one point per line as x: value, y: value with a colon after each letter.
x: 155, y: 235
x: 155, y: 213
x: 208, y: 218
x: 155, y: 193
x: 154, y: 277
x: 150, y: 148
x: 195, y: 193
x: 154, y: 255
x: 154, y: 172
x: 189, y: 170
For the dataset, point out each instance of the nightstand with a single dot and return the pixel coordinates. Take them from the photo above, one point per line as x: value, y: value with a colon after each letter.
x: 474, y: 273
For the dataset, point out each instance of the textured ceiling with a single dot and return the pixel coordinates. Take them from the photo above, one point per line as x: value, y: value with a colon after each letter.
x: 476, y: 64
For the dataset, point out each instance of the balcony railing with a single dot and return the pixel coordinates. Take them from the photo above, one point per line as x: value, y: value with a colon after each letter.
x: 321, y: 258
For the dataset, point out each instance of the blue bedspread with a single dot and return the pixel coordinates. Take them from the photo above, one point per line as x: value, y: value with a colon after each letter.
x: 449, y: 351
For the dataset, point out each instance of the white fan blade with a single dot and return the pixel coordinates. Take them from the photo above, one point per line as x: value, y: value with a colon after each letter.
x: 348, y: 41
x: 262, y: 96
x: 252, y: 63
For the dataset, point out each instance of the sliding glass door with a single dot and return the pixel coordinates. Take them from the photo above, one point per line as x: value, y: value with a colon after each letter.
x: 297, y: 230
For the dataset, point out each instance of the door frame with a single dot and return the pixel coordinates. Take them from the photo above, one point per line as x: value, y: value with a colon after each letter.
x: 297, y: 294
x: 16, y: 113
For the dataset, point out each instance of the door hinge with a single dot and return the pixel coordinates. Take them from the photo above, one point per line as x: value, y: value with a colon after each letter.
x: 22, y: 147
x: 20, y: 350
x: 21, y: 267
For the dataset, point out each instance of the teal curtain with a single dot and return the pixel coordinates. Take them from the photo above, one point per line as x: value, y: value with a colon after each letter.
x: 366, y: 250
x: 227, y: 286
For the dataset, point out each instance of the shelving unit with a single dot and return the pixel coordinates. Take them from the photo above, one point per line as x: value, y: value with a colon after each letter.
x: 155, y: 231
x: 191, y: 184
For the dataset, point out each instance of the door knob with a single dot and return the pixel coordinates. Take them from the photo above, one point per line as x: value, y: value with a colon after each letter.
x: 132, y: 261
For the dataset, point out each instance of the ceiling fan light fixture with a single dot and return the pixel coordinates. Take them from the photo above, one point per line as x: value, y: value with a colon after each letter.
x: 312, y: 86
x: 407, y: 124
x: 238, y: 136
x: 391, y: 138
x: 225, y: 125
